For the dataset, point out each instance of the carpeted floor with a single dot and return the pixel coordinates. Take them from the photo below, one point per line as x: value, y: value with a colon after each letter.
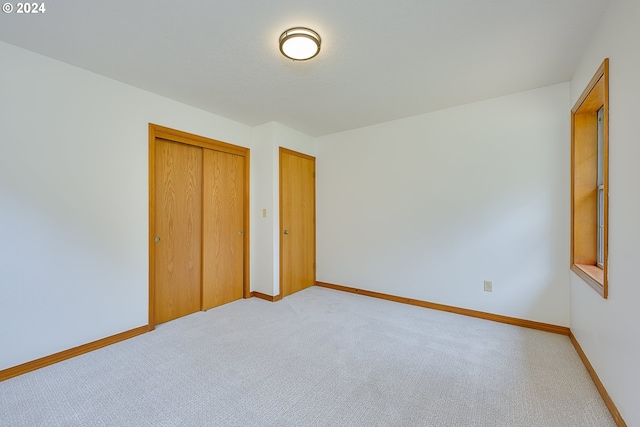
x: 317, y: 358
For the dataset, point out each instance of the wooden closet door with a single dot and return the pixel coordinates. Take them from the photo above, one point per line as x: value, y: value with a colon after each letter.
x: 223, y: 241
x: 178, y: 229
x: 297, y: 222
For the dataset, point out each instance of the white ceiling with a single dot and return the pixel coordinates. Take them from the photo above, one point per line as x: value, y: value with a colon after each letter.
x: 380, y: 60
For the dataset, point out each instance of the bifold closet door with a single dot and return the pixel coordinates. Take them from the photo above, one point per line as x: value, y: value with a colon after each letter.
x: 178, y: 229
x: 223, y: 210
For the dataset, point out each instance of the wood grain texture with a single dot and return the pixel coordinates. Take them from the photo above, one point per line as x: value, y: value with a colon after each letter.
x: 152, y: 227
x: 605, y: 268
x: 161, y: 132
x: 617, y: 417
x: 196, y: 140
x: 68, y: 354
x: 223, y: 228
x: 590, y: 95
x: 178, y: 224
x: 297, y: 222
x: 592, y: 276
x: 271, y: 298
x: 584, y: 188
x: 246, y: 286
x: 463, y: 311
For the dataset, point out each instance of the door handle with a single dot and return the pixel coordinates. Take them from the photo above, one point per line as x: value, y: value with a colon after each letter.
x: 157, y: 239
x: 286, y: 231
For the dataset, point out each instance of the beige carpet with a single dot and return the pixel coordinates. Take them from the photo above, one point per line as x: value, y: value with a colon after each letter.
x: 317, y: 358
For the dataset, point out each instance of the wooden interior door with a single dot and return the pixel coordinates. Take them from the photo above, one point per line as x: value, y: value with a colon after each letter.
x: 297, y: 221
x: 178, y: 229
x: 223, y: 230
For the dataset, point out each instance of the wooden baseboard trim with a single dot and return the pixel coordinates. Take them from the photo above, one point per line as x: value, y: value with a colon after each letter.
x: 596, y: 380
x: 68, y: 354
x: 466, y: 312
x: 266, y: 297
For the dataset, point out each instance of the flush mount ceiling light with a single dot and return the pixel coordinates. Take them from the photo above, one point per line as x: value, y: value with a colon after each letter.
x: 299, y: 43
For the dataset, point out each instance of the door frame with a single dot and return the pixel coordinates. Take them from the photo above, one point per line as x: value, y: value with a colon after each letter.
x: 157, y: 131
x: 282, y: 151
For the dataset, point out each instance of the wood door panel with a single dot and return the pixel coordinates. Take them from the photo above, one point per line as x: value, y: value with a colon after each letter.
x: 223, y: 202
x: 178, y: 224
x: 297, y: 234
x: 182, y: 213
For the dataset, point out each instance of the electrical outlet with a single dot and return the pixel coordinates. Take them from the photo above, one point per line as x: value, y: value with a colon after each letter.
x: 488, y: 286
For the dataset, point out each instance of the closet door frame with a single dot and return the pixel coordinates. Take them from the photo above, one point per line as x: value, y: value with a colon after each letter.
x: 161, y: 132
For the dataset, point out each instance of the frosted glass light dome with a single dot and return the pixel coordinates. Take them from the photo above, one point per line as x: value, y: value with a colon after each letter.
x: 300, y: 43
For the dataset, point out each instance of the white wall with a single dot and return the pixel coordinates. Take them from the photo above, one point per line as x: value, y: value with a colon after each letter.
x: 429, y: 207
x: 608, y: 330
x: 264, y: 247
x: 74, y: 202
